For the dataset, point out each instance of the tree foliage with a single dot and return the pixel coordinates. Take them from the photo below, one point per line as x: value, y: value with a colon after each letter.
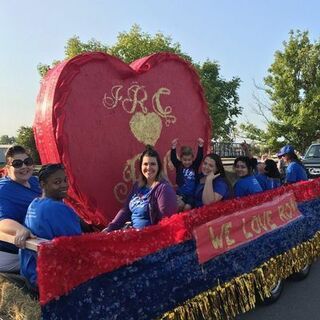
x: 221, y: 95
x: 26, y: 139
x: 136, y: 44
x: 222, y: 99
x: 293, y: 87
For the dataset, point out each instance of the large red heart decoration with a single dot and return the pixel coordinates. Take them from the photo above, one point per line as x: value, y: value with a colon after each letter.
x: 95, y: 114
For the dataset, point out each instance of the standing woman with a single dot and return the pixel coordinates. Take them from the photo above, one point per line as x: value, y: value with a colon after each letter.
x: 150, y: 199
x: 247, y: 183
x: 295, y: 171
x: 213, y: 185
x: 17, y: 190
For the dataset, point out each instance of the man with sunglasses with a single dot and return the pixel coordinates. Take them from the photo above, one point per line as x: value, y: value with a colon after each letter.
x: 17, y: 190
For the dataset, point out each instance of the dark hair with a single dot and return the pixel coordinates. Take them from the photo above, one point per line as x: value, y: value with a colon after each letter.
x: 220, y: 169
x: 12, y: 151
x: 247, y: 161
x: 271, y: 169
x: 293, y: 157
x: 150, y: 152
x: 48, y: 169
x: 186, y: 151
x: 218, y: 162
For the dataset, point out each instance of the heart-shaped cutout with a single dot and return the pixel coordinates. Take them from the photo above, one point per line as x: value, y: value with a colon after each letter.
x: 146, y: 127
x: 95, y: 113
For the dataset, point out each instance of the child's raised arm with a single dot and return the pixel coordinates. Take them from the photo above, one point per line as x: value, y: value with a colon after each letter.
x: 198, y: 159
x: 173, y: 153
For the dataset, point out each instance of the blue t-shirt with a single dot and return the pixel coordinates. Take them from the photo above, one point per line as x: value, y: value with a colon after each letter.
x: 14, y: 201
x: 219, y: 185
x: 189, y: 182
x: 139, y: 207
x: 48, y: 219
x: 295, y: 172
x: 267, y: 183
x: 246, y: 185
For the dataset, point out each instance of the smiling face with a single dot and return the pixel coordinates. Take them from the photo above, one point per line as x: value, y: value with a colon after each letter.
x: 187, y: 161
x: 150, y: 169
x: 208, y: 166
x: 241, y: 169
x: 56, y: 185
x: 20, y: 167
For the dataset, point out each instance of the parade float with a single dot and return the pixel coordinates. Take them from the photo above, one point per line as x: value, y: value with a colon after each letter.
x: 95, y: 114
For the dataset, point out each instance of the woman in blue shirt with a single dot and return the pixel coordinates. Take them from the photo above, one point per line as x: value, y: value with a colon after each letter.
x: 213, y: 185
x: 48, y: 217
x: 295, y: 171
x: 270, y: 178
x: 17, y: 189
x: 150, y: 199
x: 247, y: 183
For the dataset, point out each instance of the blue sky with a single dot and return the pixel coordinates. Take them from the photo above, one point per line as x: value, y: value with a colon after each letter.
x: 241, y: 35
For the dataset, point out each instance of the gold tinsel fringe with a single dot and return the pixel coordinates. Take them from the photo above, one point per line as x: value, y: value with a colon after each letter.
x: 239, y: 295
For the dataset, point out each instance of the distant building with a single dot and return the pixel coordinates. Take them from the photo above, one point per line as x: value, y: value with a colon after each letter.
x: 3, y: 149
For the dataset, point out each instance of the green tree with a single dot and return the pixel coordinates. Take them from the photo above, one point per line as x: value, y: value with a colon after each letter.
x: 26, y: 139
x: 136, y: 44
x: 293, y: 87
x: 222, y: 99
x: 221, y: 95
x: 5, y: 139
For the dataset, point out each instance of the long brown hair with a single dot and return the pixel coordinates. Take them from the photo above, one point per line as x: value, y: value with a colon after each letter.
x: 220, y: 169
x: 150, y: 152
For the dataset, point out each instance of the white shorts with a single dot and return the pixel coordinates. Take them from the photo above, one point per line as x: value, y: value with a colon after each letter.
x: 9, y: 262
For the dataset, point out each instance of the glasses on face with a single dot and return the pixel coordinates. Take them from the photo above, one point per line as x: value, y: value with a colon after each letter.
x: 18, y: 163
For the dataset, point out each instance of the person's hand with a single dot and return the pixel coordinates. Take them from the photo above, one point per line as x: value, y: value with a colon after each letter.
x: 21, y: 236
x: 180, y: 203
x: 200, y: 142
x: 211, y: 176
x: 174, y: 143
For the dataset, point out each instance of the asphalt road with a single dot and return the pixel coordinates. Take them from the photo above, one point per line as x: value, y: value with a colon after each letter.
x: 300, y: 300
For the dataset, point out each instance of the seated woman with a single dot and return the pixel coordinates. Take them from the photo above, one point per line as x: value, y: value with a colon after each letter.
x: 247, y: 183
x: 295, y: 171
x: 48, y: 217
x: 150, y: 199
x: 213, y: 185
x: 17, y: 189
x: 270, y: 179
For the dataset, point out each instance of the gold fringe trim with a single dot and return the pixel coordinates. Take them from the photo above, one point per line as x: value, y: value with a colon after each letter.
x: 239, y: 295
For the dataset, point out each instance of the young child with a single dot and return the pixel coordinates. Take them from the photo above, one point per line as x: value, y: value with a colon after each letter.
x: 186, y: 170
x: 48, y: 217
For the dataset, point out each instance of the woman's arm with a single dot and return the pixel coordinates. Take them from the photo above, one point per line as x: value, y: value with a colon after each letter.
x: 166, y: 200
x: 123, y: 216
x: 209, y: 195
x: 16, y: 229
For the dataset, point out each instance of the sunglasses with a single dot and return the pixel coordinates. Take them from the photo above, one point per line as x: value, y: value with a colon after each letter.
x: 17, y: 163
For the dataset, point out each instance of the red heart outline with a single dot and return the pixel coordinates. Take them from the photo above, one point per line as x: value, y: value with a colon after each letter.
x: 73, y: 127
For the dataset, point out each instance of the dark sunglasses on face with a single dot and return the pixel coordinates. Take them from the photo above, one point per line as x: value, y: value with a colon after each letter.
x: 17, y: 163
